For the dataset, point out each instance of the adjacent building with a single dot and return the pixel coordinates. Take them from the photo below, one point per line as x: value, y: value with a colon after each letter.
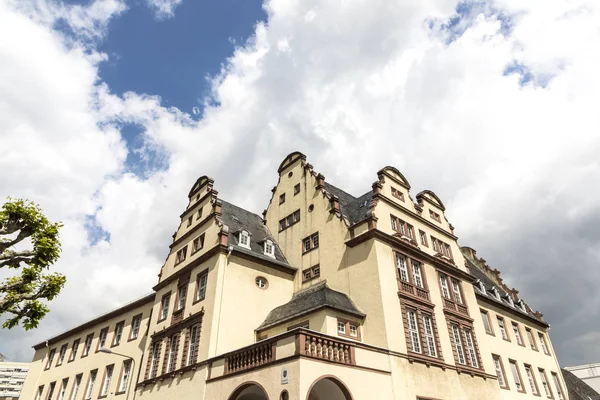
x: 12, y: 378
x: 588, y: 373
x: 324, y: 296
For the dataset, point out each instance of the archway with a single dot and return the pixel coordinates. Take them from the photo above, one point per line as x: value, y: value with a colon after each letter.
x: 328, y: 388
x: 249, y: 391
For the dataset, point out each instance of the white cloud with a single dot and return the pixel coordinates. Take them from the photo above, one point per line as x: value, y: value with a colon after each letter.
x: 355, y: 85
x: 164, y: 8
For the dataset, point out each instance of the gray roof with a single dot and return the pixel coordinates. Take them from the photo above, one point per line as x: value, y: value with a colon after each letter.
x: 238, y: 219
x: 311, y: 299
x: 355, y: 209
x: 578, y: 389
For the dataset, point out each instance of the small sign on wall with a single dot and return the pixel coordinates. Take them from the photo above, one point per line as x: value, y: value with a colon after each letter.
x: 284, y: 376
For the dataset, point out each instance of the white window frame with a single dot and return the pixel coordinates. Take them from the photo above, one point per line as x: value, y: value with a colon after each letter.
x: 402, y: 267
x: 456, y: 289
x: 470, y: 342
x: 417, y: 276
x: 269, y: 249
x: 193, y: 345
x: 517, y: 333
x: 558, y: 386
x: 107, y: 379
x: 102, y: 338
x: 515, y: 373
x: 341, y: 327
x: 460, y: 352
x: 353, y: 330
x: 545, y: 383
x: 119, y: 333
x: 135, y: 326
x: 543, y: 343
x: 164, y: 307
x: 413, y: 331
x: 154, y: 361
x: 429, y: 334
x: 444, y: 285
x: 63, y: 389
x: 499, y: 371
x: 202, y: 284
x: 244, y: 237
x: 125, y: 376
x: 531, y: 379
x: 90, y: 386
x: 502, y: 327
x: 181, y: 299
x: 172, y: 358
x: 76, y: 386
x: 87, y: 345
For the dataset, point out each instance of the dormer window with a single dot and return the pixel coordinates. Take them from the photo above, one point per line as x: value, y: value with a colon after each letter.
x: 269, y: 249
x: 244, y: 239
x: 480, y: 286
x: 510, y: 300
x: 495, y: 292
x: 521, y: 305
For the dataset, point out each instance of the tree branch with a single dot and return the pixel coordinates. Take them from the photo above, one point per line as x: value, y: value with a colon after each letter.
x: 9, y: 255
x: 24, y: 233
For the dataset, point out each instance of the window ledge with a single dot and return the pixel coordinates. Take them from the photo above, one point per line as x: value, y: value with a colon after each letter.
x: 309, y: 250
x: 198, y: 300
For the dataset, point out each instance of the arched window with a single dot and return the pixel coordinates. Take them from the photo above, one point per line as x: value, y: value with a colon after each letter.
x: 244, y: 239
x: 269, y: 249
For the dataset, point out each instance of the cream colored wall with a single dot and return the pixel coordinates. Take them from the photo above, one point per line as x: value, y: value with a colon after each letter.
x: 38, y: 375
x: 188, y: 385
x: 316, y: 322
x: 521, y: 354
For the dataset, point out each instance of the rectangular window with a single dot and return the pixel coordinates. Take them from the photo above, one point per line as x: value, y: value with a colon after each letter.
x: 281, y: 198
x: 470, y: 342
x: 107, y: 378
x: 296, y: 189
x: 88, y: 345
x: 499, y: 371
x: 124, y: 376
x: 544, y: 380
x: 460, y: 352
x: 543, y: 343
x: 63, y: 389
x: 444, y: 285
x: 51, y: 391
x: 416, y: 269
x: 429, y: 335
x: 61, y: 354
x: 154, y: 360
x: 189, y: 221
x: 486, y: 322
x: 193, y: 346
x: 181, y: 296
x: 341, y: 328
x: 74, y: 349
x: 76, y: 387
x: 198, y: 243
x: 164, y: 306
x: 531, y: 378
x: 397, y: 194
x: 50, y: 358
x: 423, y: 238
x: 401, y: 266
x: 557, y: 386
x: 456, y: 291
x: 353, y: 330
x: 102, y: 338
x: 310, y: 243
x: 311, y: 273
x: 118, y: 333
x: 516, y: 375
x: 517, y: 333
x: 413, y: 331
x: 348, y: 329
x: 173, y: 345
x: 90, y: 385
x: 135, y: 327
x: 290, y: 220
x: 201, y: 282
x: 435, y: 216
x: 40, y: 390
x: 181, y: 254
x: 531, y: 339
x: 410, y: 231
x: 199, y: 214
x: 393, y: 221
x: 503, y: 329
x: 434, y: 244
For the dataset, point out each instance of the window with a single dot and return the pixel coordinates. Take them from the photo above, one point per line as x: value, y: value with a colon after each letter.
x: 193, y: 346
x: 435, y: 216
x: 199, y: 214
x: 102, y: 338
x: 310, y: 243
x: 269, y: 249
x: 281, y: 198
x: 503, y: 329
x: 198, y: 243
x: 172, y: 357
x: 88, y: 345
x: 516, y: 375
x: 441, y: 248
x: 190, y: 220
x: 557, y: 386
x: 40, y: 390
x: 181, y: 254
x: 460, y: 353
x: 413, y: 331
x: 118, y: 333
x: 63, y: 389
x: 486, y: 322
x: 125, y: 374
x: 164, y: 306
x: 135, y: 327
x: 290, y: 220
x: 201, y: 282
x: 401, y: 266
x: 341, y: 327
x: 544, y: 380
x: 311, y: 273
x: 471, y: 348
x: 346, y: 328
x: 531, y: 339
x: 107, y: 378
x: 61, y: 354
x: 353, y: 330
x: 456, y: 294
x: 296, y: 189
x: 543, y: 343
x: 74, y: 350
x: 499, y: 371
x: 51, y: 391
x: 181, y: 296
x: 429, y: 335
x: 531, y: 379
x: 90, y: 385
x: 402, y: 227
x: 244, y: 239
x: 154, y: 359
x: 416, y: 269
x: 423, y: 238
x: 76, y: 386
x: 517, y: 333
x: 397, y: 194
x: 50, y: 358
x: 444, y: 286
x: 456, y: 291
x: 261, y: 282
x: 481, y: 286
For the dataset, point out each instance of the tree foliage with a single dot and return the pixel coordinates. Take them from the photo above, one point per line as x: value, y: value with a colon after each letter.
x: 29, y: 245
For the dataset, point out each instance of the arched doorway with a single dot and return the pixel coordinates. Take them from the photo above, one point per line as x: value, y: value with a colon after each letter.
x: 249, y: 391
x: 328, y: 388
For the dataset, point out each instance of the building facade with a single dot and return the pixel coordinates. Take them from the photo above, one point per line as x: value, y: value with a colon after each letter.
x: 589, y: 373
x: 324, y: 296
x: 12, y: 378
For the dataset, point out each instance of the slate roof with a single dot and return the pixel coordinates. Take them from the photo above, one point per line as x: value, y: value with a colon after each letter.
x: 237, y: 218
x: 578, y: 389
x: 308, y: 300
x: 488, y: 283
x: 352, y: 207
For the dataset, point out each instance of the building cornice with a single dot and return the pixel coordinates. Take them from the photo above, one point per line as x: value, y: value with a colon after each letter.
x: 510, y: 310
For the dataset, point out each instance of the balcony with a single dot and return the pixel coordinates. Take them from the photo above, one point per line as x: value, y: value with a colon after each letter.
x: 407, y: 287
x: 456, y: 307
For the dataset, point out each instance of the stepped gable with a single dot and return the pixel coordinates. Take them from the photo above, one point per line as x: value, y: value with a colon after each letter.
x: 308, y: 300
x: 578, y: 389
x: 237, y: 219
x: 491, y: 278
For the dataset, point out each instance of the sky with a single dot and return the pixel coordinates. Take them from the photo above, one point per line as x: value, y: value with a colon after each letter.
x: 111, y: 109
